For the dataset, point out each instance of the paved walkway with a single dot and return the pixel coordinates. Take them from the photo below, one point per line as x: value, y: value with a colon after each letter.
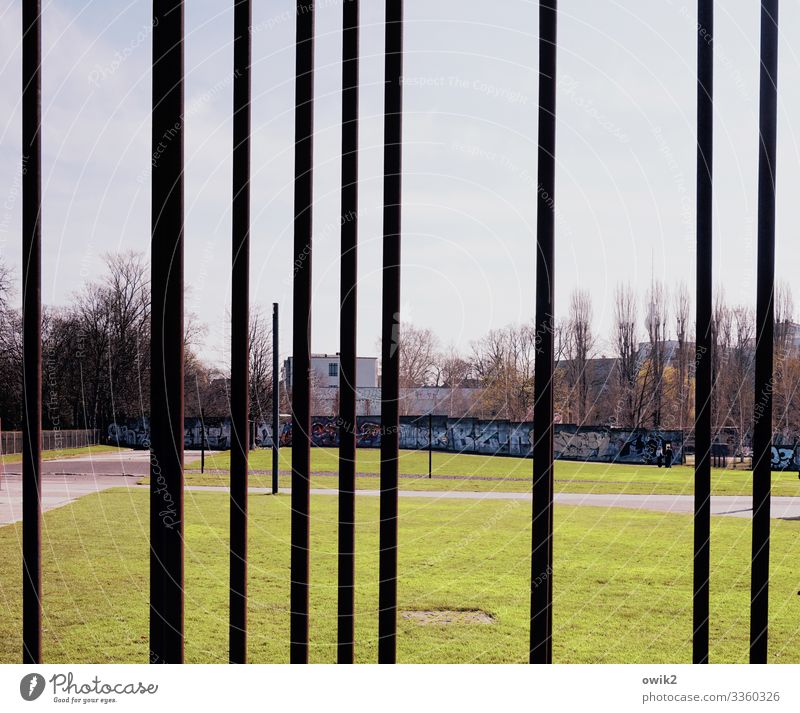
x: 66, y: 480
x: 784, y: 508
x: 71, y: 478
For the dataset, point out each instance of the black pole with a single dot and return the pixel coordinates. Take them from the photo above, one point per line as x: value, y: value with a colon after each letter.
x: 390, y: 331
x: 347, y: 334
x: 301, y: 331
x: 202, y: 442
x: 31, y: 332
x: 703, y: 357
x: 240, y: 330
x: 765, y: 318
x: 276, y: 400
x: 430, y: 445
x: 166, y: 391
x: 542, y: 526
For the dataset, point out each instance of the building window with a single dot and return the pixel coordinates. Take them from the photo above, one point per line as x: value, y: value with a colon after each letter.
x: 333, y: 369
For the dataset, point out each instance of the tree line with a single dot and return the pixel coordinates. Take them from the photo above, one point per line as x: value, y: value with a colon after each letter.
x: 641, y: 374
x: 95, y: 363
x: 96, y: 355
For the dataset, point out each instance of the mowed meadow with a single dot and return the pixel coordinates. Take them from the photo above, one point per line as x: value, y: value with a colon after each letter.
x: 622, y: 582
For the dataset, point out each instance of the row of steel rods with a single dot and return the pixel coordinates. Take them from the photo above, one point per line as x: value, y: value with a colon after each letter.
x: 167, y: 284
x: 301, y: 441
x: 765, y: 316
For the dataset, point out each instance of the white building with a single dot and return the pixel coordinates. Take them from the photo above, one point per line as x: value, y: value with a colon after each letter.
x: 436, y: 400
x: 326, y: 369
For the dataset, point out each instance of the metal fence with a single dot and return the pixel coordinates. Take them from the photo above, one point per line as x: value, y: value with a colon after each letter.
x: 11, y: 441
x: 167, y: 591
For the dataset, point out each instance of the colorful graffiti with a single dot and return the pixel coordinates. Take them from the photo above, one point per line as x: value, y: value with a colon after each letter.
x: 784, y: 458
x: 615, y: 445
x: 466, y: 435
x: 369, y: 434
x: 134, y: 434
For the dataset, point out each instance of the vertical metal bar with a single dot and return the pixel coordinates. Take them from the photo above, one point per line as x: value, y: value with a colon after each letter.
x: 301, y: 330
x: 347, y: 333
x: 276, y: 400
x: 703, y: 357
x: 166, y: 392
x: 240, y: 330
x: 390, y: 332
x: 765, y: 316
x: 31, y: 332
x: 542, y: 525
x: 430, y: 445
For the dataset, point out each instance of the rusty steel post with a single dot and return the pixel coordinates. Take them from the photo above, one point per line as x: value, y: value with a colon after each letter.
x: 166, y: 389
x: 31, y: 332
x: 276, y: 399
x: 703, y: 357
x: 348, y: 315
x: 390, y: 331
x: 301, y: 331
x: 240, y: 330
x: 765, y: 326
x: 542, y: 516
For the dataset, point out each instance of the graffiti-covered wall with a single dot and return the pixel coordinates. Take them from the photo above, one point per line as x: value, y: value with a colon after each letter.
x: 615, y: 444
x: 465, y: 435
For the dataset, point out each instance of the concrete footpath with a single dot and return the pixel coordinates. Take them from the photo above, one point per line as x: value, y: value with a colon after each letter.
x: 67, y: 480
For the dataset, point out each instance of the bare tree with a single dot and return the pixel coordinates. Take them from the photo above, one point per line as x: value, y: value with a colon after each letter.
x: 740, y: 367
x: 454, y: 373
x: 260, y: 365
x: 417, y: 356
x: 10, y: 355
x: 579, y: 349
x: 260, y: 374
x: 656, y: 325
x: 785, y: 363
x: 417, y: 353
x: 5, y: 286
x: 451, y: 369
x: 683, y: 302
x: 503, y: 363
x: 722, y: 331
x: 626, y: 346
x: 127, y: 296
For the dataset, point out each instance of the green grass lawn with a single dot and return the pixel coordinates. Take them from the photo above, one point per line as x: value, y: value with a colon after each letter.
x: 64, y: 453
x: 486, y: 473
x: 622, y: 583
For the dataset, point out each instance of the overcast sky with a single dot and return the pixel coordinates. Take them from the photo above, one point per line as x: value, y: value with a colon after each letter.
x: 625, y: 154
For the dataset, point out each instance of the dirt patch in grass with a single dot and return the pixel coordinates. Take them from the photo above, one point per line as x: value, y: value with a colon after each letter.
x: 439, y: 617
